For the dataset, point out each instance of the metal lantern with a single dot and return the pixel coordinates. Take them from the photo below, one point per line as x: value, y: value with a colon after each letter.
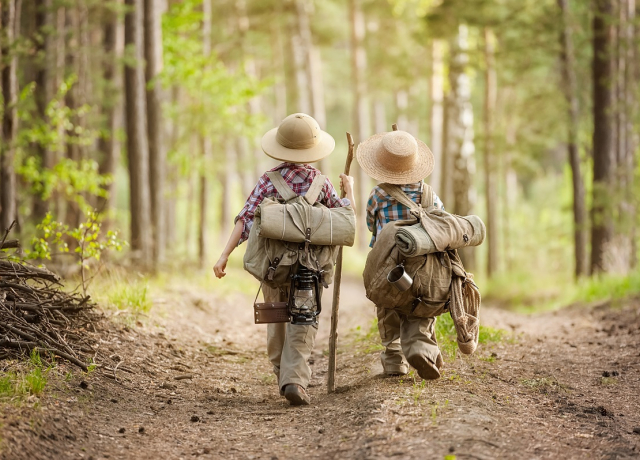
x: 304, y: 297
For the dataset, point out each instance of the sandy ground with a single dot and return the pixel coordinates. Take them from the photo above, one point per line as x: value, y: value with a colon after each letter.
x: 564, y: 384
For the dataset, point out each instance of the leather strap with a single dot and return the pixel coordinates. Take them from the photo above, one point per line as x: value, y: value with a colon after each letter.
x: 281, y: 185
x: 314, y: 190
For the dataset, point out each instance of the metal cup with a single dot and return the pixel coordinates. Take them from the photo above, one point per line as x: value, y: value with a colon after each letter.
x: 399, y: 278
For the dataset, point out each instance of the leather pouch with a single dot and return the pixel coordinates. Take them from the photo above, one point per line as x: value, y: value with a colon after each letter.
x: 271, y: 312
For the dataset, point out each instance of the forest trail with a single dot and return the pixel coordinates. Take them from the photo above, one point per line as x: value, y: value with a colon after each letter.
x: 565, y: 385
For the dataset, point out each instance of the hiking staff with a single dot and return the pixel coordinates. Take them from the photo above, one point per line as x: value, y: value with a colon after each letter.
x: 333, y: 335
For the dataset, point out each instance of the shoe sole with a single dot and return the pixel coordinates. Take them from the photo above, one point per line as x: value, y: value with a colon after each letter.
x: 296, y: 398
x: 425, y: 368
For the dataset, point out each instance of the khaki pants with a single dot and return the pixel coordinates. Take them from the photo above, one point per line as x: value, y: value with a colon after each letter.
x: 289, y: 346
x: 406, y: 337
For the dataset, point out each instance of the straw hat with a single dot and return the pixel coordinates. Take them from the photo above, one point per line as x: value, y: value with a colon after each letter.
x: 395, y: 158
x: 298, y: 139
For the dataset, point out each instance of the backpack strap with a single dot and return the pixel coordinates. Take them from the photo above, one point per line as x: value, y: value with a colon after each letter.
x: 314, y: 190
x: 281, y: 185
x: 396, y: 192
x: 428, y: 196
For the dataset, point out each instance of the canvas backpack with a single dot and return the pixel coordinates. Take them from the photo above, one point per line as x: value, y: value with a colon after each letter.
x: 272, y: 261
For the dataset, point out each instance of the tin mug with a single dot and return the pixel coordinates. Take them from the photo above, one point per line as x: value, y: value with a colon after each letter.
x: 399, y: 278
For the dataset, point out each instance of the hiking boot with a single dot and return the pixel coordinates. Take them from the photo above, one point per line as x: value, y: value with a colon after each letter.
x: 425, y: 367
x: 296, y: 395
x: 395, y: 371
x: 439, y: 361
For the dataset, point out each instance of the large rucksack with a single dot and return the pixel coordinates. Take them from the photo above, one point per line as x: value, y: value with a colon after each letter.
x: 273, y: 260
x: 440, y: 283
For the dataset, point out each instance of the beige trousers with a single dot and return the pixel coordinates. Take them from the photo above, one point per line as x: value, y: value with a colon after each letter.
x: 405, y: 337
x: 289, y: 346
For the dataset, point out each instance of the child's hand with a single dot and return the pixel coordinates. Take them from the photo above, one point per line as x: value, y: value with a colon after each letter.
x: 346, y: 184
x: 219, y: 267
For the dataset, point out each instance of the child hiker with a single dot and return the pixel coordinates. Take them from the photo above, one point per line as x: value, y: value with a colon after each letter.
x: 297, y: 142
x: 398, y: 158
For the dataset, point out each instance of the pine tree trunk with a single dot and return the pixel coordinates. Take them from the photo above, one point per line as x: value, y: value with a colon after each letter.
x: 8, y: 213
x: 361, y: 116
x: 460, y: 131
x: 206, y: 149
x: 436, y: 118
x: 491, y: 194
x: 227, y: 180
x: 380, y: 116
x: 136, y: 127
x: 571, y: 94
x: 42, y: 92
x: 631, y: 98
x: 157, y: 152
x: 109, y: 145
x: 603, y: 163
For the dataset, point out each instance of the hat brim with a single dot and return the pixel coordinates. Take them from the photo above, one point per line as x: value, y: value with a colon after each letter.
x: 367, y: 156
x: 274, y: 149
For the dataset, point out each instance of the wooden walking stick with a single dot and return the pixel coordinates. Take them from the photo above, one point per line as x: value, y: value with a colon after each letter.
x: 333, y: 336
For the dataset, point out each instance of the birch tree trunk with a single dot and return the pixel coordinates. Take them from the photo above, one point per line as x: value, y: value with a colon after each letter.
x: 603, y: 155
x: 157, y: 152
x: 436, y: 118
x: 137, y: 142
x: 491, y: 192
x: 361, y: 115
x: 109, y: 145
x: 567, y: 59
x: 460, y: 132
x: 9, y: 14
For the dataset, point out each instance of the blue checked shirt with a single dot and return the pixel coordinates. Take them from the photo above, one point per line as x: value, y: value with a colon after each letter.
x: 382, y: 209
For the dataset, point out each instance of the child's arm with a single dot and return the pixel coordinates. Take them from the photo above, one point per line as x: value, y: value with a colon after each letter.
x: 221, y: 264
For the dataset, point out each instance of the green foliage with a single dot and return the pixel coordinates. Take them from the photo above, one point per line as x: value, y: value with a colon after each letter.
x: 72, y: 180
x: 212, y: 98
x: 89, y: 241
x: 447, y: 336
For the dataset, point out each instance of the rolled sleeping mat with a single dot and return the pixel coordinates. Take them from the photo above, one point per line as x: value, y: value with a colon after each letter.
x: 413, y: 240
x: 444, y: 232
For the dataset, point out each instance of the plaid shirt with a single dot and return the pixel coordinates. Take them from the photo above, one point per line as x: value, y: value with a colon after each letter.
x: 297, y: 176
x: 382, y: 208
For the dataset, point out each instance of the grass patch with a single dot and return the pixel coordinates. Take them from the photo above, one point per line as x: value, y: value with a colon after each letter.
x: 525, y: 293
x: 367, y: 340
x: 447, y: 336
x: 30, y: 380
x: 544, y: 385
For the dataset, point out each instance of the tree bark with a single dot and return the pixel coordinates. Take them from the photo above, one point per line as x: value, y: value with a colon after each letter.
x: 567, y: 58
x: 136, y: 127
x: 491, y: 192
x: 42, y: 92
x: 109, y: 145
x: 460, y: 131
x: 631, y: 98
x: 436, y: 118
x: 157, y: 152
x: 361, y: 115
x: 206, y: 149
x: 603, y: 155
x: 8, y: 197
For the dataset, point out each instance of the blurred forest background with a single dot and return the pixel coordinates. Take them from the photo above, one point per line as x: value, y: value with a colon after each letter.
x: 146, y: 115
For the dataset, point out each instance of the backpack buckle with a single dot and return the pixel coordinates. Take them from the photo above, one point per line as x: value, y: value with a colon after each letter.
x: 417, y: 301
x: 272, y: 269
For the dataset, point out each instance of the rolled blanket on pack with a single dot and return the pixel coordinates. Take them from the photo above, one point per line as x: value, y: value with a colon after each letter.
x: 414, y: 241
x: 440, y: 231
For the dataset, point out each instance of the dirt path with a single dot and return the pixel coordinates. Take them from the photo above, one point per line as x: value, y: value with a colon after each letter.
x: 567, y: 387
